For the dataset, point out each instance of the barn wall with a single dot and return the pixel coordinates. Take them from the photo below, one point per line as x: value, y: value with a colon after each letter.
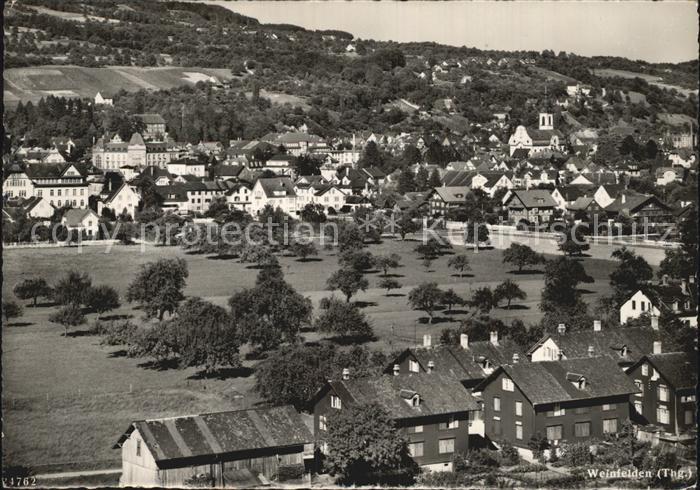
x: 138, y: 470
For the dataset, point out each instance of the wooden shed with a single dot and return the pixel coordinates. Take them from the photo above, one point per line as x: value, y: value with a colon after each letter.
x: 241, y: 448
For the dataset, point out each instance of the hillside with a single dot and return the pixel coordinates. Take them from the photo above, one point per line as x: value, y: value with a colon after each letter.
x: 33, y: 83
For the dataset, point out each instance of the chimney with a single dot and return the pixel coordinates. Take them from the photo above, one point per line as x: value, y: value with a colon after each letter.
x: 591, y: 351
x: 431, y: 366
x: 346, y: 373
x: 494, y: 337
x: 654, y: 322
x: 427, y: 340
x: 691, y: 280
x: 561, y: 329
x: 684, y: 286
x: 397, y: 369
x: 597, y: 326
x: 464, y: 341
x: 664, y: 279
x: 657, y: 347
x: 516, y: 358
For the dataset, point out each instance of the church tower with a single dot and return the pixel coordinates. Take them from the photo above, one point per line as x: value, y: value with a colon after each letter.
x: 546, y: 120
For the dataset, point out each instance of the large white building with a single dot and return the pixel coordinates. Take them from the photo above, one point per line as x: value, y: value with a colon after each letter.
x: 60, y: 184
x: 545, y: 137
x: 114, y: 153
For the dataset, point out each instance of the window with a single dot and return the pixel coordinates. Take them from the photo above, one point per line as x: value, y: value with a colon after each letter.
x: 496, y: 404
x: 689, y: 417
x: 639, y: 406
x: 582, y: 429
x: 446, y: 446
x: 322, y: 422
x: 609, y: 406
x: 688, y: 398
x: 58, y: 192
x: 662, y: 415
x: 497, y: 429
x: 519, y: 409
x: 634, y: 305
x: 417, y: 429
x: 507, y: 384
x: 554, y: 432
x: 335, y: 402
x: 518, y: 430
x: 415, y: 449
x: 663, y: 393
x: 450, y: 424
x: 581, y: 410
x: 413, y: 366
x: 138, y: 447
x: 557, y: 411
x: 609, y: 426
x: 640, y: 386
x: 643, y: 306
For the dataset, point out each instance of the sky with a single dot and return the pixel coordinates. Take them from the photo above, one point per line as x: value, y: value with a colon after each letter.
x: 664, y: 31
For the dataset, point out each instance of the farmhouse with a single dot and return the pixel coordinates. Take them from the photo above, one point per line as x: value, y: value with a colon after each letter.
x: 641, y: 208
x: 666, y: 401
x: 570, y: 400
x: 430, y: 409
x: 103, y: 99
x: 623, y: 345
x: 531, y: 206
x: 225, y: 448
x: 678, y: 299
x: 85, y: 221
x: 442, y: 199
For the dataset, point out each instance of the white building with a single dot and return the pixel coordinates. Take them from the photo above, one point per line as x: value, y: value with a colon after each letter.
x: 545, y: 137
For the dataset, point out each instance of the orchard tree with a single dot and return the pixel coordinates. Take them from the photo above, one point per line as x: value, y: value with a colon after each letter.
x: 450, y: 298
x: 313, y: 213
x: 426, y: 297
x: 205, y: 335
x: 364, y: 446
x: 304, y: 250
x: 406, y: 224
x: 68, y: 316
x: 102, y: 299
x: 10, y: 310
x: 460, y: 263
x: 343, y: 319
x: 483, y: 299
x: 508, y: 290
x: 389, y: 283
x: 33, y: 289
x: 158, y: 286
x: 350, y: 237
x: 561, y: 279
x: 348, y: 282
x: 476, y: 232
x: 522, y: 256
x: 631, y: 273
x: 71, y: 288
x: 386, y: 262
x: 271, y: 313
x: 359, y: 260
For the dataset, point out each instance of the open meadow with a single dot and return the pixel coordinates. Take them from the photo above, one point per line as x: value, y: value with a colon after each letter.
x: 59, y: 389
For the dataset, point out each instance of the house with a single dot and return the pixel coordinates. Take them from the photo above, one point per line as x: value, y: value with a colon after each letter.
x: 431, y: 410
x: 281, y: 164
x: 442, y: 199
x: 676, y: 298
x: 578, y: 90
x: 667, y: 175
x: 37, y: 208
x: 238, y: 196
x: 154, y: 125
x: 330, y: 196
x: 607, y: 193
x: 536, y: 140
x: 227, y: 448
x: 666, y: 402
x: 120, y: 199
x: 187, y: 166
x: 201, y: 193
x: 640, y: 208
x: 85, y: 221
x: 17, y: 183
x: 623, y: 345
x: 565, y: 401
x: 114, y: 153
x: 532, y: 206
x: 490, y: 182
x: 296, y: 143
x: 103, y: 99
x: 276, y: 192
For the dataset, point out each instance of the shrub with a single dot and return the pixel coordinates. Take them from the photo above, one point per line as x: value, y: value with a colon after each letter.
x: 509, y: 456
x: 118, y: 333
x: 201, y: 480
x: 290, y: 472
x: 443, y: 479
x: 483, y: 458
x: 576, y: 454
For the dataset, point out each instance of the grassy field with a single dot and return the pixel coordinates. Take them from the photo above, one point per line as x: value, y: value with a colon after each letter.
x: 76, y: 81
x: 58, y: 389
x: 652, y: 79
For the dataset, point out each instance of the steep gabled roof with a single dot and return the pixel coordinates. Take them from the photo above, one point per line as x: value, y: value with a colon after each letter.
x: 151, y: 118
x: 680, y: 369
x: 74, y: 217
x: 453, y: 194
x: 213, y: 434
x: 632, y: 202
x: 548, y: 382
x: 534, y: 198
x: 275, y: 186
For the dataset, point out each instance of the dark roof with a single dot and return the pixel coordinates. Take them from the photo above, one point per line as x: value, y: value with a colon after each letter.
x: 210, y: 434
x: 680, y: 369
x: 453, y: 194
x: 571, y: 193
x: 456, y: 178
x: 533, y: 198
x: 74, y: 217
x: 542, y: 136
x: 665, y: 295
x: 520, y: 153
x: 606, y: 342
x: 550, y: 382
x: 633, y: 202
x: 274, y: 186
x: 47, y: 170
x: 440, y: 393
x: 151, y: 118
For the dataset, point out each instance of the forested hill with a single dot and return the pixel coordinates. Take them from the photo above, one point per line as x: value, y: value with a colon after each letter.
x: 332, y: 81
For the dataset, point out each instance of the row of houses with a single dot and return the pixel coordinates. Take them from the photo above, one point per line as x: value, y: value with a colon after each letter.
x: 443, y: 399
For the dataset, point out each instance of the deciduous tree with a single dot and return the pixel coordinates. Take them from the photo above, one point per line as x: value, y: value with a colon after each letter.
x: 71, y: 288
x: 460, y: 263
x: 427, y: 297
x: 521, y: 256
x: 158, y: 286
x: 508, y: 290
x: 343, y: 319
x: 102, y: 299
x: 33, y: 288
x: 69, y: 315
x: 347, y: 281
